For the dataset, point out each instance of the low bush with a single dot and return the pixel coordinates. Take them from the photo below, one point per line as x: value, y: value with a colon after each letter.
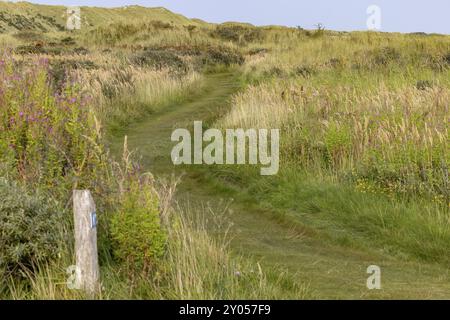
x: 304, y: 71
x: 386, y: 55
x: 424, y: 84
x: 81, y: 51
x: 59, y: 71
x: 447, y: 58
x: 29, y: 49
x: 160, y: 25
x: 159, y: 59
x: 29, y: 229
x: 222, y: 55
x: 28, y: 36
x: 238, y: 33
x: 136, y: 230
x: 257, y: 51
x: 68, y: 41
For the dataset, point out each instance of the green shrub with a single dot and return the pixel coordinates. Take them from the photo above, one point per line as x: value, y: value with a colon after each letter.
x: 256, y: 51
x: 424, y: 84
x: 29, y: 49
x: 160, y: 25
x: 138, y: 237
x: 337, y: 142
x: 81, y: 51
x: 387, y: 55
x: 222, y: 55
x: 68, y: 41
x: 238, y: 33
x: 28, y: 35
x: 159, y: 59
x: 304, y: 71
x: 275, y: 72
x: 29, y: 232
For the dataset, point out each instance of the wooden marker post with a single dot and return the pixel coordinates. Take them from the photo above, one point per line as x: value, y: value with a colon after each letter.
x: 86, y: 242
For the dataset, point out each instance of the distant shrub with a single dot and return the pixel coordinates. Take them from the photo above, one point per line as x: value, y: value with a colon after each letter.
x: 81, y: 51
x: 319, y: 32
x: 420, y: 34
x: 275, y: 72
x: 28, y: 36
x: 308, y: 33
x: 160, y: 25
x: 29, y: 229
x: 38, y: 48
x: 159, y: 59
x: 256, y: 51
x: 447, y: 58
x: 54, y: 51
x: 225, y: 56
x: 68, y: 41
x: 190, y: 28
x: 29, y: 49
x: 304, y: 71
x: 237, y: 33
x: 335, y: 63
x: 139, y: 239
x: 59, y: 70
x: 386, y: 55
x: 424, y: 84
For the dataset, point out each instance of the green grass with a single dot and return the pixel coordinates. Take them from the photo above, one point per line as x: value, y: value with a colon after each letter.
x: 340, y: 214
x: 324, y: 234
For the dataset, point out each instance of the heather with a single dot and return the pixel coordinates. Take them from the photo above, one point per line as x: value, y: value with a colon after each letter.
x: 48, y: 138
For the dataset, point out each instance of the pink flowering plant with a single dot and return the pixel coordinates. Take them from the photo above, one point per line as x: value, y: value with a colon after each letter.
x: 48, y: 137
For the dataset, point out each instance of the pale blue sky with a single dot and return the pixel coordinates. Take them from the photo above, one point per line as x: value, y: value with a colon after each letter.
x: 397, y: 15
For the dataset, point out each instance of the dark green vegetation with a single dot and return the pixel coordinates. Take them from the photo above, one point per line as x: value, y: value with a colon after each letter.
x: 32, y: 220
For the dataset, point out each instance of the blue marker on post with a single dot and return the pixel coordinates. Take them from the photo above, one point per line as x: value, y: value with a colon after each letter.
x: 93, y: 220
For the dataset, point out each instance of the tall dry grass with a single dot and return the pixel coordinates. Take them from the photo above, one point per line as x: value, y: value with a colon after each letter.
x: 371, y: 108
x: 124, y: 94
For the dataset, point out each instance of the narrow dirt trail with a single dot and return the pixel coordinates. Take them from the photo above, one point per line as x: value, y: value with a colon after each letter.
x: 331, y: 271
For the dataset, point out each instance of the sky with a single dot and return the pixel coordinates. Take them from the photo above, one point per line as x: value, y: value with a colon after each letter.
x: 431, y: 16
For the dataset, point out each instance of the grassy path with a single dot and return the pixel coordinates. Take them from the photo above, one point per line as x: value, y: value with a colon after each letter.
x: 331, y: 271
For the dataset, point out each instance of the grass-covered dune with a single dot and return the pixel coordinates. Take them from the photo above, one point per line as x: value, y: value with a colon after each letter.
x: 46, y: 18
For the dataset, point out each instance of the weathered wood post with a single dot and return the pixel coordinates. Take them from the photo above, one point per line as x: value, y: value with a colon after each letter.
x: 85, y: 219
